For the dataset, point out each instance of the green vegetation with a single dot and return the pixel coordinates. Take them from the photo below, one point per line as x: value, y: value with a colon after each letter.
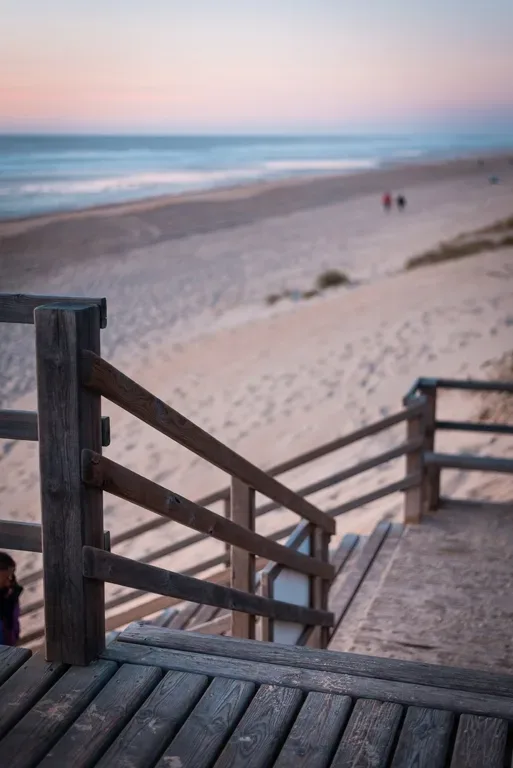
x: 458, y: 250
x: 332, y: 278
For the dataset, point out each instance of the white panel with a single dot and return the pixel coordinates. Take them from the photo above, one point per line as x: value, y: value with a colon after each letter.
x: 291, y: 587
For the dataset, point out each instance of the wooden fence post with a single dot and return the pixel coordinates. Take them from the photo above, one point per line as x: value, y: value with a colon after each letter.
x: 320, y: 587
x: 69, y: 420
x: 414, y: 497
x: 227, y: 513
x: 431, y: 474
x: 242, y: 562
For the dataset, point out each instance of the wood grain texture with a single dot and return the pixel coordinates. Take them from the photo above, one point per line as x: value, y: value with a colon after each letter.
x: 242, y: 512
x: 25, y: 537
x: 71, y: 513
x: 115, y: 569
x: 343, y: 592
x: 369, y: 737
x: 416, y: 673
x: 218, y: 626
x: 311, y: 680
x: 36, y: 733
x: 414, y: 496
x: 19, y: 307
x: 424, y: 740
x: 209, y: 726
x: 316, y: 733
x: 97, y: 727
x: 480, y: 741
x: 262, y: 730
x: 11, y: 659
x: 142, y: 741
x: 24, y: 688
x: 22, y: 425
x: 103, y: 378
x: 100, y: 472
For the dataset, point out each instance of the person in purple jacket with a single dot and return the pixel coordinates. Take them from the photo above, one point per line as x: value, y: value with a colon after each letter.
x: 10, y: 592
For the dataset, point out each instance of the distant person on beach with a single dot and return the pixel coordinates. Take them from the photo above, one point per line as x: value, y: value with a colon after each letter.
x: 387, y: 201
x: 10, y: 592
x: 401, y: 202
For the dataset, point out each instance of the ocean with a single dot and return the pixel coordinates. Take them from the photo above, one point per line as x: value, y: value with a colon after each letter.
x: 43, y: 174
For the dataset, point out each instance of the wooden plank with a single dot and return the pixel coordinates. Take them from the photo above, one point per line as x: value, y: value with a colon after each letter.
x: 480, y: 741
x: 417, y: 673
x: 96, y: 728
x: 469, y: 463
x: 106, y: 380
x: 11, y: 659
x: 209, y: 726
x: 242, y: 513
x: 320, y: 589
x: 22, y: 425
x: 424, y: 740
x: 217, y: 626
x: 404, y: 449
x: 474, y: 385
x: 36, y: 733
x: 71, y: 513
x: 204, y: 614
x: 369, y: 737
x: 414, y: 496
x: 183, y: 616
x: 115, y: 569
x: 19, y: 307
x: 100, y: 472
x: 469, y: 426
x: 343, y: 552
x: 20, y: 536
x: 343, y: 593
x: 141, y: 742
x: 410, y: 694
x: 316, y: 733
x: 430, y: 477
x: 262, y: 730
x: 26, y: 686
x: 401, y: 485
x: 165, y: 617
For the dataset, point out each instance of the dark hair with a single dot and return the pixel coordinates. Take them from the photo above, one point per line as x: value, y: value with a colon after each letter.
x: 6, y: 562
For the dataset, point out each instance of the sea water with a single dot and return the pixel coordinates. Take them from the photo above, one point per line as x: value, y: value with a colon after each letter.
x: 42, y: 174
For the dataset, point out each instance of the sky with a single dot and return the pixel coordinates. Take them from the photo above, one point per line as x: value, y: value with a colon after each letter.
x: 253, y: 65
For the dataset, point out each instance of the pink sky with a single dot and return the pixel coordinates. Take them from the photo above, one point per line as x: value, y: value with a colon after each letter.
x: 239, y: 64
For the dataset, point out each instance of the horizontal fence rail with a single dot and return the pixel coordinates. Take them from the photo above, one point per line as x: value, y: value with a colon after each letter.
x: 19, y: 307
x: 470, y: 463
x: 115, y: 569
x: 470, y: 426
x: 106, y: 380
x: 126, y: 484
x: 22, y: 425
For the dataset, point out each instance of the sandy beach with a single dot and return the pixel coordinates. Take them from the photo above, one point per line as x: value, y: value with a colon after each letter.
x: 186, y: 282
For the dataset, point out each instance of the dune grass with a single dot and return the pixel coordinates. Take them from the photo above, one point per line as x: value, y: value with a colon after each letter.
x: 458, y: 250
x: 332, y: 278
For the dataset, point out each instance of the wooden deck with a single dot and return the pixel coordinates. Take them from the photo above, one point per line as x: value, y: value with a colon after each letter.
x: 445, y: 597
x: 177, y: 699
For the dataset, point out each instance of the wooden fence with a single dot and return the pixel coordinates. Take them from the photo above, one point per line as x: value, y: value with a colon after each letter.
x: 290, y: 594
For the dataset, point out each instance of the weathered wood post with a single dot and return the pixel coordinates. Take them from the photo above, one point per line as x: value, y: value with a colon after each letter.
x: 414, y: 496
x: 242, y: 562
x: 69, y: 420
x: 227, y: 508
x: 320, y: 587
x: 431, y: 474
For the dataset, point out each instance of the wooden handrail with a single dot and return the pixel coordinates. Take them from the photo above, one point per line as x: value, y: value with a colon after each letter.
x: 104, y: 379
x: 473, y: 385
x: 104, y: 566
x: 478, y: 463
x: 469, y: 426
x: 20, y: 536
x: 22, y: 425
x: 100, y: 472
x: 19, y: 307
